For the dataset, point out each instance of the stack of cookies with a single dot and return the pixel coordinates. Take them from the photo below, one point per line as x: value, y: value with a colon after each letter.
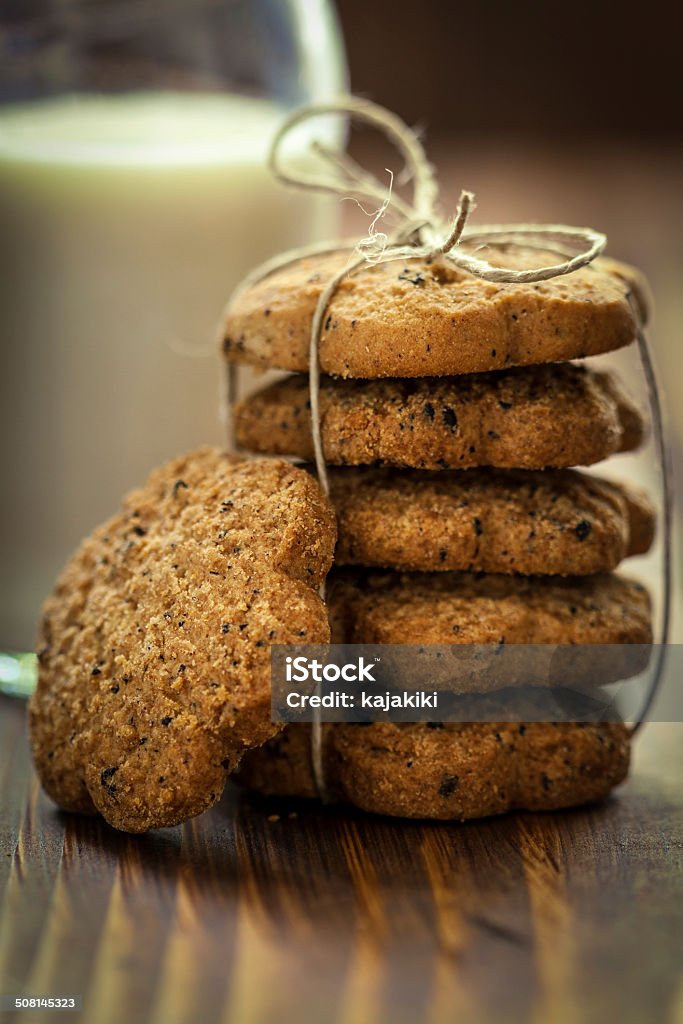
x: 452, y: 413
x: 452, y: 416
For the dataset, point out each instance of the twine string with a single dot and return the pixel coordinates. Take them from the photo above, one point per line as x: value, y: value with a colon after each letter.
x: 665, y: 476
x: 418, y: 230
x: 346, y: 177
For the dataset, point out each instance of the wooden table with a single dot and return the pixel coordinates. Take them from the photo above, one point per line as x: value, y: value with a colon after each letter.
x: 283, y: 912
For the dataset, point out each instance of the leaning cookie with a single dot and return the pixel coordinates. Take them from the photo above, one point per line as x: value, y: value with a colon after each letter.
x: 452, y: 771
x: 529, y: 418
x: 493, y: 520
x: 426, y: 318
x: 154, y: 668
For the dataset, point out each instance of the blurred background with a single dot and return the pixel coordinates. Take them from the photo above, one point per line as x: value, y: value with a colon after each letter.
x: 547, y: 113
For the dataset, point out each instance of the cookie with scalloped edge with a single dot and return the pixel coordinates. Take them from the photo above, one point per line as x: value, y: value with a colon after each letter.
x: 596, y: 629
x: 547, y: 522
x: 422, y: 318
x: 371, y: 606
x: 154, y: 661
x: 447, y: 771
x: 528, y: 418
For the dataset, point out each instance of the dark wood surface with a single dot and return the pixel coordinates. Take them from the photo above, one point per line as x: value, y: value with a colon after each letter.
x: 263, y: 912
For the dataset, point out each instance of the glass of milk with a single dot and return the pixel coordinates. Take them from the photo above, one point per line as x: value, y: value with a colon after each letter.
x: 133, y: 198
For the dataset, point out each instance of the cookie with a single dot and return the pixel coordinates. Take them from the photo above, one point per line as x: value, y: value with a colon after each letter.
x: 374, y: 607
x: 535, y: 631
x: 492, y: 520
x: 529, y: 418
x: 154, y: 661
x: 453, y: 771
x: 424, y: 319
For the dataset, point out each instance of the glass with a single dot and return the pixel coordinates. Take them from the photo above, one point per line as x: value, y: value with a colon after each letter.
x: 133, y: 197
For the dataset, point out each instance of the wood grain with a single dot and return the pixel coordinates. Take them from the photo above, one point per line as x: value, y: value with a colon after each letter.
x: 325, y: 915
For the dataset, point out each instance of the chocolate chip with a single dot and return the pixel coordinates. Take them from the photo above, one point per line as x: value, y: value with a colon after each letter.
x: 582, y: 529
x: 449, y: 417
x: 449, y: 785
x: 105, y: 778
x: 406, y: 275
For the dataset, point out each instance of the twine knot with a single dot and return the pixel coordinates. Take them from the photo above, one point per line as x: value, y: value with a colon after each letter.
x: 419, y: 229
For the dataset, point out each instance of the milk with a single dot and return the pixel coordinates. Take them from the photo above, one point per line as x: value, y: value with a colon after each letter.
x: 124, y: 224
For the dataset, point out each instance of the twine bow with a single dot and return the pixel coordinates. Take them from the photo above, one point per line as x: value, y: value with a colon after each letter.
x: 417, y: 228
x: 420, y: 229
